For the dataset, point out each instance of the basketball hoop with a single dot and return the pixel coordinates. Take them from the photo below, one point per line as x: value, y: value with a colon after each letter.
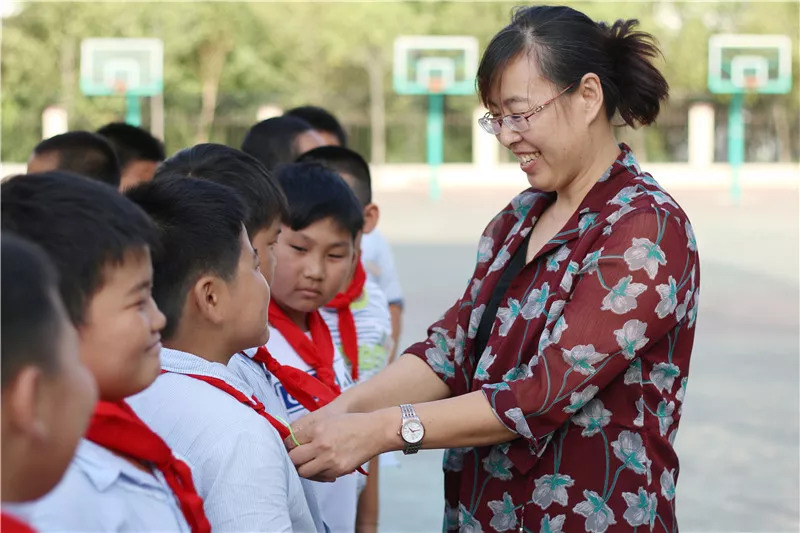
x: 751, y: 83
x: 435, y: 85
x: 119, y: 86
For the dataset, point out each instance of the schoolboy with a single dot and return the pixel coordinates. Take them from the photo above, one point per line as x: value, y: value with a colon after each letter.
x: 81, y: 152
x: 47, y: 393
x: 315, y: 253
x: 139, y: 153
x: 207, y: 281
x: 323, y: 121
x: 266, y: 207
x: 123, y: 475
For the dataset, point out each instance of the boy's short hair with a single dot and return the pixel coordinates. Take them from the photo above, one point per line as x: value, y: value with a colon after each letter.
x: 84, y: 226
x: 346, y: 160
x: 84, y: 153
x: 199, y: 225
x: 132, y: 144
x: 320, y: 119
x: 31, y: 319
x: 241, y: 172
x: 315, y: 192
x: 272, y: 141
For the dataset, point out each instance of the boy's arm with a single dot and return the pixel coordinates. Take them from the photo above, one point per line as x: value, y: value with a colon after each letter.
x: 396, y: 314
x: 368, y: 502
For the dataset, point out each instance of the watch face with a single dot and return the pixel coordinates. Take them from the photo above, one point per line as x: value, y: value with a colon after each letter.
x: 412, y: 432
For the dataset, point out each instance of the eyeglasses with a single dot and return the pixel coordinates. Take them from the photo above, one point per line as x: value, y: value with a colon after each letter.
x: 518, y: 122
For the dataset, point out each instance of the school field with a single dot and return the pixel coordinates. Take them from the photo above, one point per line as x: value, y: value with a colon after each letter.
x: 738, y: 439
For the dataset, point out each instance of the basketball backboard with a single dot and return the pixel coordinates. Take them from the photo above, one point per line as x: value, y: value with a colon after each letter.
x: 740, y: 64
x: 133, y: 67
x: 435, y: 64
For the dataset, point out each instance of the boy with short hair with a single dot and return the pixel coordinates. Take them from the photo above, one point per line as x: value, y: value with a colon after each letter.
x: 47, y: 393
x: 139, y: 153
x: 123, y: 475
x: 81, y: 152
x: 323, y: 121
x: 315, y: 253
x: 266, y: 208
x: 279, y: 140
x: 207, y: 281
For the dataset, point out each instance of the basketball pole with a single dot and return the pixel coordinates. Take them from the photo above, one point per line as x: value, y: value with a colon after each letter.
x: 736, y: 144
x: 435, y: 141
x: 133, y: 109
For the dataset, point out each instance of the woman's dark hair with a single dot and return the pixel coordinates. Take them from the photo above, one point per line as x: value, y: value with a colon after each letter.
x: 567, y: 44
x: 272, y: 141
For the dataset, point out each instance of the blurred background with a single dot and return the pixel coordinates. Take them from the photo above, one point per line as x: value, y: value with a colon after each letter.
x: 228, y: 64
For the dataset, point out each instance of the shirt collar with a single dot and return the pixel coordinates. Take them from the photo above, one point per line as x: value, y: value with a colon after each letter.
x: 103, y: 468
x: 178, y: 362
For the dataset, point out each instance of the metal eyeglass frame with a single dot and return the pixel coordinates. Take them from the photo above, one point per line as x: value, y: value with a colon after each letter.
x: 518, y: 122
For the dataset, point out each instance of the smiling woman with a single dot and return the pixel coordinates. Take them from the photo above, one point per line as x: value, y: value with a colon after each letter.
x: 557, y: 380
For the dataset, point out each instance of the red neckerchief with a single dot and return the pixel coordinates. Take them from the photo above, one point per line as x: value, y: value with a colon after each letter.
x: 12, y: 524
x: 241, y: 397
x: 347, y: 325
x: 305, y: 388
x: 116, y: 427
x: 317, y: 352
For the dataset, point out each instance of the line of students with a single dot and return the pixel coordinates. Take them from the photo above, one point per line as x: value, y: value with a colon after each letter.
x: 189, y: 436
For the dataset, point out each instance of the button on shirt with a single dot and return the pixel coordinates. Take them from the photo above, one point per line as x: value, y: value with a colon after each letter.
x: 239, y: 463
x: 103, y: 492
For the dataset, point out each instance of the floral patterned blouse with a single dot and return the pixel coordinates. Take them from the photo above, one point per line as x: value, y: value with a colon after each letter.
x: 587, y: 362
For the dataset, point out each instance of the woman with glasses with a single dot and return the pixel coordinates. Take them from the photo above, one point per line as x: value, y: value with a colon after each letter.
x: 556, y: 381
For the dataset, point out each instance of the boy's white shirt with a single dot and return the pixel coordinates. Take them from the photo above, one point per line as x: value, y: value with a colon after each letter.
x: 239, y: 463
x: 100, y: 491
x: 338, y: 500
x: 378, y: 261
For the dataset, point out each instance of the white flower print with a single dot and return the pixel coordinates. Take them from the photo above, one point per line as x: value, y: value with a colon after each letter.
x: 598, y: 515
x: 692, y: 314
x: 639, y: 420
x: 467, y: 522
x: 626, y: 195
x: 589, y: 264
x: 643, y: 254
x: 631, y: 337
x: 500, y: 261
x: 554, y: 261
x: 669, y: 297
x: 453, y: 459
x: 522, y: 203
x: 485, y: 248
x: 552, y: 488
x: 692, y: 244
x: 544, y: 340
x: 672, y: 437
x: 475, y: 320
x: 664, y: 413
x: 586, y: 222
x: 497, y: 464
x: 566, y: 281
x: 475, y: 289
x: 534, y: 304
x: 680, y: 311
x: 482, y: 372
x: 507, y: 316
x: 459, y: 342
x: 629, y: 449
x: 682, y: 390
x: 520, y: 424
x: 555, y: 311
x: 578, y: 399
x: 552, y: 525
x: 558, y: 329
x: 582, y: 357
x: 668, y: 484
x: 518, y: 372
x: 593, y: 417
x: 450, y: 517
x: 504, y: 516
x: 641, y: 508
x: 607, y: 231
x: 663, y: 376
x: 633, y: 376
x: 622, y: 298
x: 661, y: 198
x: 438, y: 360
x: 616, y: 215
x: 441, y: 338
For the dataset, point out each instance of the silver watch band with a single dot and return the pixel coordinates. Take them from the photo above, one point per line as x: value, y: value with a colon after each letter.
x: 409, y: 413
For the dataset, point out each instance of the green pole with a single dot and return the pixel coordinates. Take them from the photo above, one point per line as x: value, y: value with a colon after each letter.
x: 736, y: 144
x: 435, y: 141
x: 133, y: 110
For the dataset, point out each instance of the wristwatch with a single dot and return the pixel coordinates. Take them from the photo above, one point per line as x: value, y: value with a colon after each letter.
x: 411, y: 430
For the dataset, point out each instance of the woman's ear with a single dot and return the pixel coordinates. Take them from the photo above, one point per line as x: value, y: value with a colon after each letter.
x: 209, y: 295
x: 590, y: 91
x: 371, y: 216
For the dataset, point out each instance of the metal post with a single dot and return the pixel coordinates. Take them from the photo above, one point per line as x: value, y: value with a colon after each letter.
x: 133, y: 110
x: 736, y: 144
x: 435, y: 141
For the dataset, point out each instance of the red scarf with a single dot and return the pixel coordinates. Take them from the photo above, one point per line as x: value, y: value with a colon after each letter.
x: 305, y: 388
x: 12, y: 524
x: 116, y: 427
x: 347, y: 325
x: 317, y: 352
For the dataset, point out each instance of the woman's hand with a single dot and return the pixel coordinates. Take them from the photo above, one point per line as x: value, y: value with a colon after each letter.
x: 332, y: 446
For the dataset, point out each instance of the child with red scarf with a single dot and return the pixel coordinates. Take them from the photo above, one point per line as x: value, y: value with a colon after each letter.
x: 123, y: 474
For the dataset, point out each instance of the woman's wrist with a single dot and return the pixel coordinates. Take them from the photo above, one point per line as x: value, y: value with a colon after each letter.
x: 386, y: 428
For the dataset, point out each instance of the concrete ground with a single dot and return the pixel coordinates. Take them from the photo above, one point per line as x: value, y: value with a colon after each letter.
x: 738, y: 442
